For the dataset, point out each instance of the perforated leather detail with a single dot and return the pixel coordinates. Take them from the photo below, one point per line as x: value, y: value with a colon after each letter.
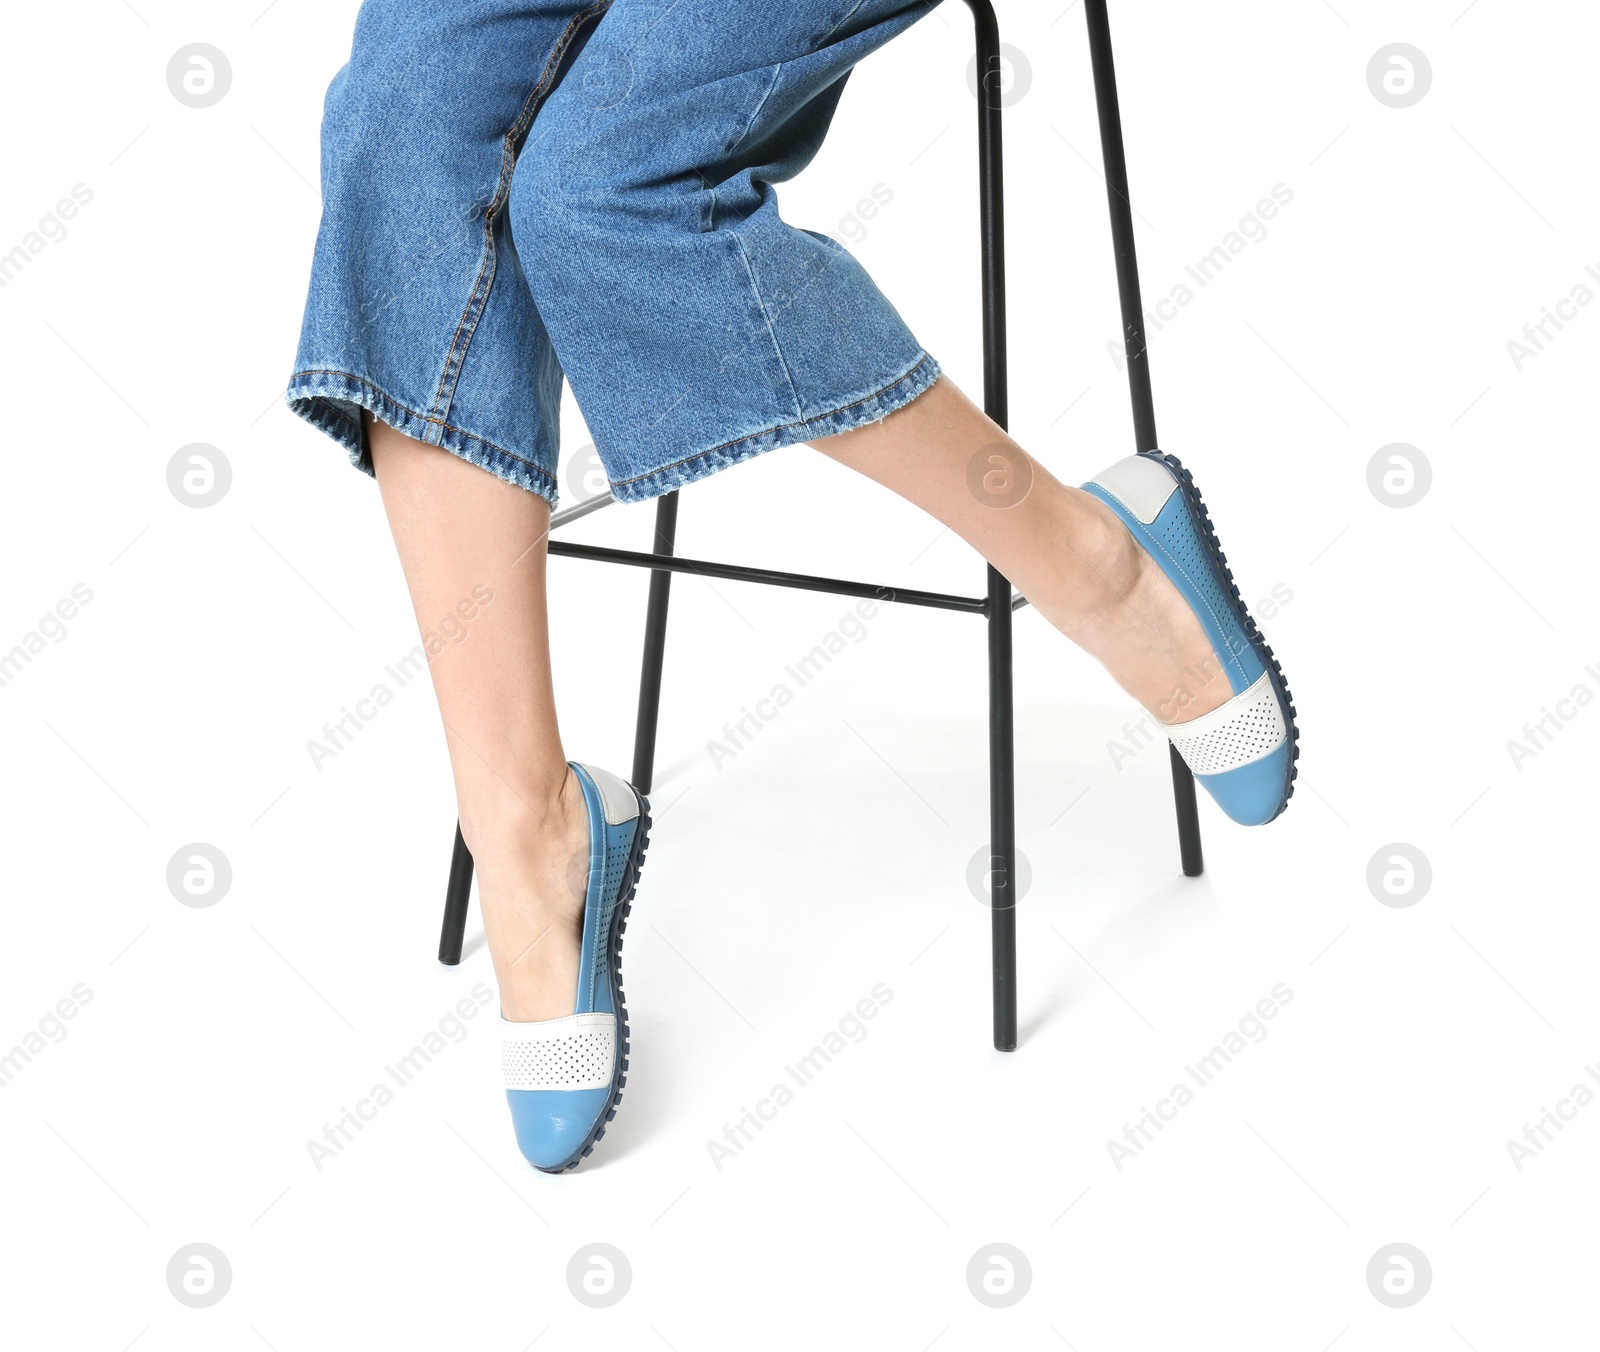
x: 613, y: 883
x: 1181, y: 540
x: 572, y: 1053
x: 1246, y: 728
x: 617, y: 849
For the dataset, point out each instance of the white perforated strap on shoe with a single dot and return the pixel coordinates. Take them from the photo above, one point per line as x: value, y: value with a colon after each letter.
x: 1246, y: 728
x: 577, y: 1052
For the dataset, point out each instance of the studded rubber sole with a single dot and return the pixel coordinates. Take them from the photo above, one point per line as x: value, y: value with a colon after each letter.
x: 619, y: 1073
x: 1280, y: 687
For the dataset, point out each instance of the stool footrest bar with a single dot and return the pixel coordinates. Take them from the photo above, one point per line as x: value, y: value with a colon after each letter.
x: 675, y: 563
x: 579, y: 510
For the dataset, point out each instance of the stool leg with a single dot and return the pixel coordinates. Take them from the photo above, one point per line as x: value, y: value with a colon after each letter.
x: 455, y: 902
x: 1002, y: 818
x: 1188, y: 816
x: 1133, y: 337
x: 655, y: 644
x: 1002, y: 771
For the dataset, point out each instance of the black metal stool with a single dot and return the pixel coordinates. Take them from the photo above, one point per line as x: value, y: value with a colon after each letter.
x: 998, y: 602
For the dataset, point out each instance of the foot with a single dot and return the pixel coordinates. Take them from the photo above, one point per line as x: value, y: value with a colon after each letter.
x: 564, y: 1075
x: 532, y: 862
x: 1137, y: 623
x: 1243, y: 748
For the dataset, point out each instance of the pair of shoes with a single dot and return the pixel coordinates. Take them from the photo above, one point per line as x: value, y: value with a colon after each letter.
x: 1243, y: 752
x: 564, y: 1076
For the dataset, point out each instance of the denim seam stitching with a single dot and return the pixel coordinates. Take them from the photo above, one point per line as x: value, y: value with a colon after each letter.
x: 750, y: 122
x: 478, y: 299
x: 743, y: 136
x: 844, y: 19
x: 772, y: 333
x: 411, y: 412
x: 779, y: 427
x: 739, y: 140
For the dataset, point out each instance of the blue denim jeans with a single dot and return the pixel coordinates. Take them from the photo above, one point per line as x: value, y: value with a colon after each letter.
x: 517, y: 190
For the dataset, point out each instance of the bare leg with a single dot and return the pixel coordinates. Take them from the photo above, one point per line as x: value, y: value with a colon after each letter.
x: 1063, y: 549
x: 473, y: 551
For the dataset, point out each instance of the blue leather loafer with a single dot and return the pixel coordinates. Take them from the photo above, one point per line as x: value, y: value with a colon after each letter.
x: 564, y: 1076
x: 1244, y: 752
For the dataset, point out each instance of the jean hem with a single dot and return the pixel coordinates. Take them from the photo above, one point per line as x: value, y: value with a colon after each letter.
x: 871, y: 408
x: 332, y: 401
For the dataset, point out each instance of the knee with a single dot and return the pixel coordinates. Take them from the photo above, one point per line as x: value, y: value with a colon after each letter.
x: 390, y: 137
x: 558, y: 204
x: 361, y: 156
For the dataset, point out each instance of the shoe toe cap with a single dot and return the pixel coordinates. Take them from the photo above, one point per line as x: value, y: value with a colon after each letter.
x: 552, y: 1124
x: 1252, y: 794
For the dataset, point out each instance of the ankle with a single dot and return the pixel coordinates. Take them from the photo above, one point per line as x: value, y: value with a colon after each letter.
x: 518, y: 838
x: 1113, y: 569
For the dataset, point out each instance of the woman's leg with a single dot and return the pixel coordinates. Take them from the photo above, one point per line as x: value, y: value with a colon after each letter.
x: 697, y: 328
x: 463, y: 536
x: 1064, y: 550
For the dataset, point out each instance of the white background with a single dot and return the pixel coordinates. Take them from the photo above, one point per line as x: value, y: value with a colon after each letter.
x: 830, y: 855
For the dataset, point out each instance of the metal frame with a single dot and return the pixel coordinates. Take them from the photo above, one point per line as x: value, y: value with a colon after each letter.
x: 1138, y: 358
x: 998, y: 601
